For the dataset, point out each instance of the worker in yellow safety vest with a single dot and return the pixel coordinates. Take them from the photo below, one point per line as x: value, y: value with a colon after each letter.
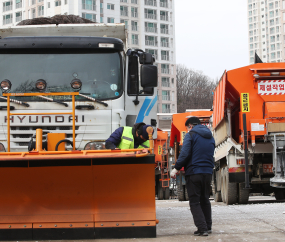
x: 129, y: 138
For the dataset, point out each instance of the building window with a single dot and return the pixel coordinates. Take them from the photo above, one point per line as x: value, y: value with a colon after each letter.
x: 164, y: 15
x: 134, y: 12
x: 124, y: 10
x: 7, y: 19
x: 165, y: 82
x: 165, y: 70
x: 165, y: 95
x: 124, y: 21
x: 134, y: 1
x: 48, y: 4
x: 163, y: 4
x: 57, y: 3
x: 18, y: 3
x: 7, y: 6
x: 65, y: 2
x: 149, y: 13
x: 134, y: 26
x: 41, y: 10
x: 150, y: 27
x: 165, y: 55
x: 135, y: 39
x: 33, y: 2
x: 110, y: 6
x: 166, y: 108
x: 89, y: 4
x: 18, y: 16
x: 89, y: 16
x: 164, y: 42
x: 110, y: 20
x: 150, y: 40
x: 33, y: 12
x: 164, y: 29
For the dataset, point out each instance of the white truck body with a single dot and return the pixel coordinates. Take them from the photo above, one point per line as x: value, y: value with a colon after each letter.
x: 94, y: 125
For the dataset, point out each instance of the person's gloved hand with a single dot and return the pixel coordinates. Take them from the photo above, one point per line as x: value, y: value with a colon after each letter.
x: 173, y: 173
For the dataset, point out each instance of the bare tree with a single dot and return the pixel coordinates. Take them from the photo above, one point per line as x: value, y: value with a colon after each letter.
x: 194, y: 89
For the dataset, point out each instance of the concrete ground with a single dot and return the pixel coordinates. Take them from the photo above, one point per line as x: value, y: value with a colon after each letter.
x: 263, y: 219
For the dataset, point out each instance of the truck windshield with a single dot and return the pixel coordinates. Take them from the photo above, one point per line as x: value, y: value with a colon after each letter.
x: 100, y: 73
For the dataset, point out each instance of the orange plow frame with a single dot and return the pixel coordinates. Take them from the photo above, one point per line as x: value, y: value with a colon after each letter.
x: 85, y: 194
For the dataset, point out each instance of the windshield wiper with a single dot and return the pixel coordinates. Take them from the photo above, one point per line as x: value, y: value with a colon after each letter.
x: 52, y: 100
x: 16, y: 101
x: 93, y: 99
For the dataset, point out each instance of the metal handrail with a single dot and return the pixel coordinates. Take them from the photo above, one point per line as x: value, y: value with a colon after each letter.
x: 8, y: 95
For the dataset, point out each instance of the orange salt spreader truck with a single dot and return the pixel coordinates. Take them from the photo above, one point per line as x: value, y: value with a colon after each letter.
x: 65, y: 89
x: 178, y: 132
x: 249, y: 132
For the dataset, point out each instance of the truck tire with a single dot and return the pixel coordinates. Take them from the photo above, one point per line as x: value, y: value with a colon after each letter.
x: 186, y: 194
x: 159, y: 191
x: 279, y: 193
x: 166, y: 193
x: 181, y: 192
x: 243, y: 194
x: 230, y: 189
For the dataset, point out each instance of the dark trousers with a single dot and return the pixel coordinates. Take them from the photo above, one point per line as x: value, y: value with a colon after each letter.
x: 198, y: 188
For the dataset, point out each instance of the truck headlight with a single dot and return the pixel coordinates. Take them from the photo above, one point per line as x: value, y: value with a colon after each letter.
x: 95, y: 146
x: 6, y: 85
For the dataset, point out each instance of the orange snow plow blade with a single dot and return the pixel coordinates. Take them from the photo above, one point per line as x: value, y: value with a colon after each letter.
x: 77, y: 196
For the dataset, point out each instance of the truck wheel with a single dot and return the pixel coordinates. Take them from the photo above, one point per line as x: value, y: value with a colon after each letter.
x: 216, y: 195
x: 166, y: 193
x: 243, y: 194
x: 186, y: 194
x: 230, y: 189
x: 181, y: 192
x: 159, y: 191
x: 279, y: 193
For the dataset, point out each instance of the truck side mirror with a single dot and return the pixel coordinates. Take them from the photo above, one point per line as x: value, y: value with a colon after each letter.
x: 146, y: 58
x: 148, y: 76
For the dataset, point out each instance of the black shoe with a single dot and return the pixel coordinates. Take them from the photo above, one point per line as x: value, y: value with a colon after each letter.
x: 201, y: 233
x: 209, y: 231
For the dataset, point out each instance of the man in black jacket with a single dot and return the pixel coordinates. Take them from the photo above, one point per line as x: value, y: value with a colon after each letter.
x: 196, y: 157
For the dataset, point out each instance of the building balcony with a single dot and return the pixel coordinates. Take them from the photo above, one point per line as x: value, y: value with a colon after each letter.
x: 7, y: 21
x: 165, y: 57
x: 134, y: 1
x: 150, y: 43
x: 163, y: 5
x: 41, y: 13
x: 166, y: 110
x: 124, y: 1
x: 164, y: 44
x: 19, y: 5
x: 89, y: 7
x: 7, y: 8
x: 150, y: 16
x: 135, y: 41
x: 124, y: 13
x: 165, y: 71
x: 164, y: 17
x: 150, y: 29
x: 18, y: 19
x: 134, y: 28
x: 134, y: 14
x: 164, y: 31
x: 150, y: 3
x: 165, y: 98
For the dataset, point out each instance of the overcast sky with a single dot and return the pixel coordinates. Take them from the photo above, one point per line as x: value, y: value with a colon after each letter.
x: 211, y: 35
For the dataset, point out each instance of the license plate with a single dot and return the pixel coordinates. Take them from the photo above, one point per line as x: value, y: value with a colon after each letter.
x: 267, y: 168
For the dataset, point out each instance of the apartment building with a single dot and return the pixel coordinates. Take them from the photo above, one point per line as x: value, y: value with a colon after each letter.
x: 150, y: 25
x: 266, y: 26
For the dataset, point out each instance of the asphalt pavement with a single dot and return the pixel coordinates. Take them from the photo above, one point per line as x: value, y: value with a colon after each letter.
x: 263, y: 219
